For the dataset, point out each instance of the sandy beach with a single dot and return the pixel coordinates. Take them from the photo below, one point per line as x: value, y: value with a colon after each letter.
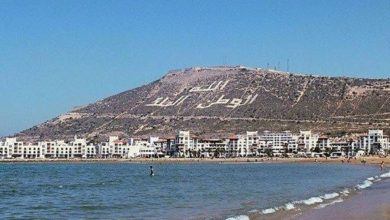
x: 371, y: 203
x: 372, y: 160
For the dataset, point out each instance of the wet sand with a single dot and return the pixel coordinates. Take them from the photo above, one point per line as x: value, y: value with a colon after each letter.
x: 371, y: 203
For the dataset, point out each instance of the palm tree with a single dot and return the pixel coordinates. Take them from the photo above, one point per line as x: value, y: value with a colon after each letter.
x: 223, y: 152
x: 216, y: 153
x: 286, y: 149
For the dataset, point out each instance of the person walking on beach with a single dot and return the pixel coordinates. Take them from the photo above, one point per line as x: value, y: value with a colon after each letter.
x: 382, y: 164
x: 151, y: 171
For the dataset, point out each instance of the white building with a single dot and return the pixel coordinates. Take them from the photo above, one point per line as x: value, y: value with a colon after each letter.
x: 82, y: 149
x: 184, y: 143
x: 323, y: 143
x: 243, y: 145
x: 114, y: 148
x: 12, y: 148
x: 307, y: 141
x: 374, y: 142
x: 211, y: 147
x: 279, y: 142
x: 145, y: 148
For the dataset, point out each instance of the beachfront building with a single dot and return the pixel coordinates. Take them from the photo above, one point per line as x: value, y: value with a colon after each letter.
x: 244, y: 145
x: 116, y: 148
x: 184, y: 144
x: 10, y: 148
x: 323, y: 143
x: 232, y: 146
x: 82, y: 149
x: 278, y: 143
x: 375, y: 142
x: 210, y: 147
x: 3, y: 150
x: 56, y: 149
x: 340, y: 146
x: 146, y: 148
x: 120, y: 148
x: 164, y: 146
x: 307, y: 141
x: 103, y: 150
x: 160, y: 145
x: 78, y: 148
x: 251, y: 143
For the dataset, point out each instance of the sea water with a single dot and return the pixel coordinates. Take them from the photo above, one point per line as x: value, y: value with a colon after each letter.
x: 177, y: 191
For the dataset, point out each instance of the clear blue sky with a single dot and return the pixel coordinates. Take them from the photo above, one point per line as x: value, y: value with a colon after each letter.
x: 55, y: 55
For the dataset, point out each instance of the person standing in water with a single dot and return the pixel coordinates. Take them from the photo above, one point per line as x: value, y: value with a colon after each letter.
x: 151, y: 171
x: 382, y: 164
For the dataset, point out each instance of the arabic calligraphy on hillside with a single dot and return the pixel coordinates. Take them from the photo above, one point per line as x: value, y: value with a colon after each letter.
x: 229, y: 103
x: 214, y: 86
x: 165, y: 102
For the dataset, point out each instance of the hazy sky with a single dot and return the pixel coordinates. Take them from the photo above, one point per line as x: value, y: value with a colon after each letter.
x: 55, y: 55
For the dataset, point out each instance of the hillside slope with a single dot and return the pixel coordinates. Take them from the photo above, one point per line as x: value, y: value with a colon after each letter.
x: 224, y: 100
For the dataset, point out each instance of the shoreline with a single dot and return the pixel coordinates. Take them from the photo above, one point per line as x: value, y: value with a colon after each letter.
x: 372, y: 160
x: 366, y: 200
x: 370, y: 203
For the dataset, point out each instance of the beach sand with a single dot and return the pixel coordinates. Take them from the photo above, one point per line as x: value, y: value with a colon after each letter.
x: 372, y: 160
x: 371, y: 203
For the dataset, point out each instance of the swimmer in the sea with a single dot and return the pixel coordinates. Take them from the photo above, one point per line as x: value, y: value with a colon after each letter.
x: 151, y: 171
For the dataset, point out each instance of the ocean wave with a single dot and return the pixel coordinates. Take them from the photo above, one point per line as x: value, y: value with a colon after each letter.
x: 385, y: 175
x: 330, y: 203
x: 269, y: 211
x: 312, y: 200
x: 365, y: 184
x: 330, y: 196
x: 239, y: 217
x: 345, y: 192
x: 289, y: 206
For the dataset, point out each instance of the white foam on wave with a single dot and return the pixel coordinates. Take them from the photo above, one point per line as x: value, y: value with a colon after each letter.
x: 289, y: 206
x: 370, y: 178
x: 320, y: 206
x: 345, y: 192
x: 269, y: 211
x: 330, y: 196
x: 253, y: 211
x: 385, y: 175
x: 312, y: 200
x: 364, y: 185
x: 239, y: 217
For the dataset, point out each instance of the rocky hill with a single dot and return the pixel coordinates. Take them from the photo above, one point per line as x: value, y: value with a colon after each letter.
x: 224, y: 100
